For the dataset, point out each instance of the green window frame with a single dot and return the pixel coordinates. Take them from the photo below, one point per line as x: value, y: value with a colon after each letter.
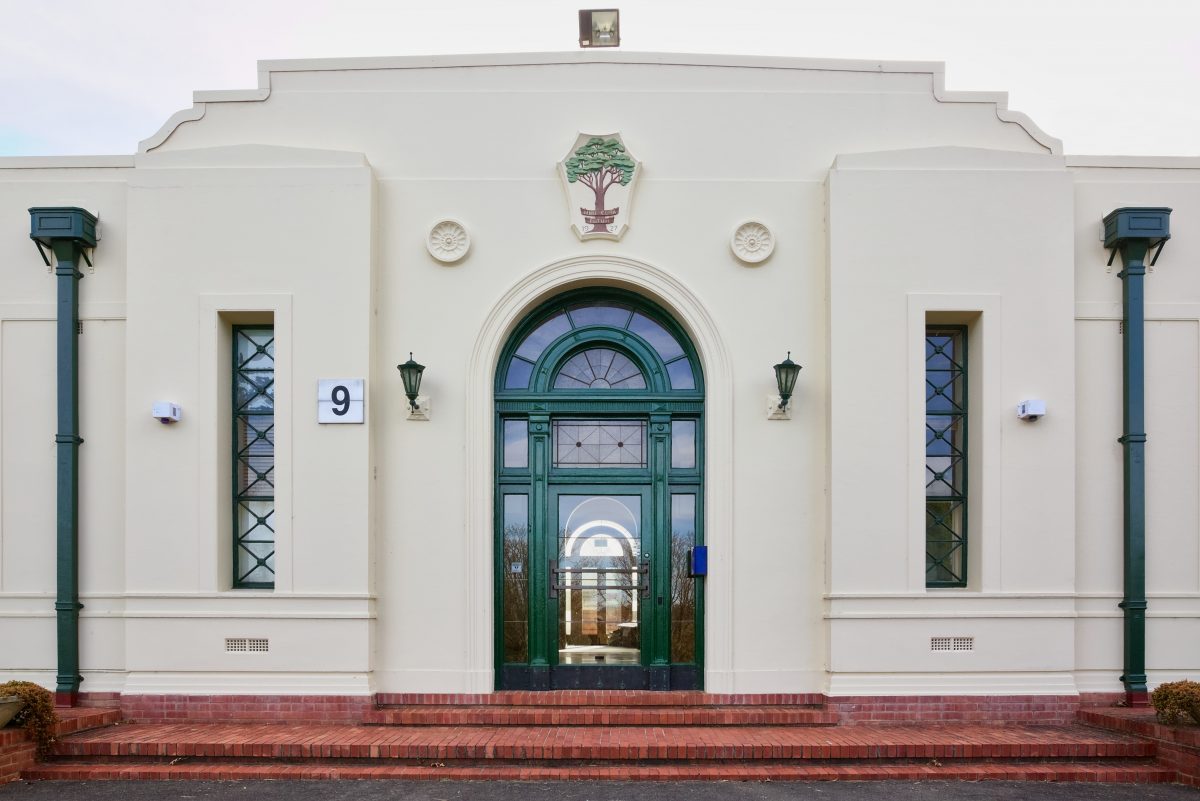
x: 253, y: 452
x: 946, y: 419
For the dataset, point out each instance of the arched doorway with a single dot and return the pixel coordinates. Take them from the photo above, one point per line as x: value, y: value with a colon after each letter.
x: 599, y: 420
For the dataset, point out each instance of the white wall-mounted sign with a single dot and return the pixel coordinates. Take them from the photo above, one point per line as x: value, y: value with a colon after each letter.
x: 340, y: 400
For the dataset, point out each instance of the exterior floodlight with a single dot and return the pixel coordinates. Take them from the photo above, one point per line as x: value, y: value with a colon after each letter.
x: 786, y: 373
x: 410, y: 373
x: 600, y: 28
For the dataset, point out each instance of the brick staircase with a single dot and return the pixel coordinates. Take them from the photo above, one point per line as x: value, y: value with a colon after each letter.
x: 602, y: 735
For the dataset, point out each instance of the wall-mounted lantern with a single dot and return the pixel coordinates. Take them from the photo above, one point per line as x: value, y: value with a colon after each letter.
x: 410, y: 374
x: 786, y: 373
x: 600, y: 27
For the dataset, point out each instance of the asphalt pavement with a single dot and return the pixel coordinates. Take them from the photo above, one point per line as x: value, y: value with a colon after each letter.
x: 587, y: 791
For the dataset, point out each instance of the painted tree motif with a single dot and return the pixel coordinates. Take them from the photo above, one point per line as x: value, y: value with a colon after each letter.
x: 598, y: 165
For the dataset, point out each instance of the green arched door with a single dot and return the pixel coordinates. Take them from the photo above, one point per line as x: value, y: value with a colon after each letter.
x: 599, y: 498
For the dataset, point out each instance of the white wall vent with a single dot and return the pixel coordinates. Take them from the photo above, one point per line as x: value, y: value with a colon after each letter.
x: 247, y: 645
x: 951, y: 643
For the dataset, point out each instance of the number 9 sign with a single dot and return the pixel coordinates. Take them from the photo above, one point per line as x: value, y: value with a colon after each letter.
x: 340, y: 400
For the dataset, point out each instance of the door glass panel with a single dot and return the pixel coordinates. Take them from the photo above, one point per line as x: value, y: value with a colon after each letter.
x: 599, y: 443
x: 683, y: 444
x: 516, y: 443
x: 516, y: 578
x: 683, y: 588
x: 597, y: 579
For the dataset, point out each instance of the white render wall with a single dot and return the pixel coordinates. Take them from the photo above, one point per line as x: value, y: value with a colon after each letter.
x: 310, y: 199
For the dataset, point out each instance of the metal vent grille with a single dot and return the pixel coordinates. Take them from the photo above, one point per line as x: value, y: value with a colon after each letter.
x: 951, y: 643
x: 247, y: 645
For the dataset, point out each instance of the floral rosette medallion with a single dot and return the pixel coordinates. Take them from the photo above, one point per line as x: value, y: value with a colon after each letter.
x: 448, y: 241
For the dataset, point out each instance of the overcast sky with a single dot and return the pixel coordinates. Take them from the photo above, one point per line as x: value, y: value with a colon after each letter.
x: 97, y: 76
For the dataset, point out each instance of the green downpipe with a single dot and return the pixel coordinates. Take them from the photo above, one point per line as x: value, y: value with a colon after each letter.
x: 1132, y: 232
x: 67, y: 232
x: 1133, y: 390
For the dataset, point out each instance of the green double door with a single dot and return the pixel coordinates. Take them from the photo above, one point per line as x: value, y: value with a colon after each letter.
x: 599, y: 400
x: 603, y: 571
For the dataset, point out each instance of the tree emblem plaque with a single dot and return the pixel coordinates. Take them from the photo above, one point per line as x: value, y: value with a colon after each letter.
x: 599, y: 174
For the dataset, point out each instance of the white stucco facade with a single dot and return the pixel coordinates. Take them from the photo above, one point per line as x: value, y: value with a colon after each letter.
x: 892, y: 203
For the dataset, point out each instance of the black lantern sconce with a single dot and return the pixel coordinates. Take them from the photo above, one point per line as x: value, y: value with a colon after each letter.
x: 410, y: 373
x: 786, y: 373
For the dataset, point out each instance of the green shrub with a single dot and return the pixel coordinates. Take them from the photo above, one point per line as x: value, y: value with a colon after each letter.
x: 37, y: 716
x: 1177, y: 700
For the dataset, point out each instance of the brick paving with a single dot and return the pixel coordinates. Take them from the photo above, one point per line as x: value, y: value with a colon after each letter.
x: 1044, y: 771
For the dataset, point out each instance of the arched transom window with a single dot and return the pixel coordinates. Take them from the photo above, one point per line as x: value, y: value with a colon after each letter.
x: 599, y: 343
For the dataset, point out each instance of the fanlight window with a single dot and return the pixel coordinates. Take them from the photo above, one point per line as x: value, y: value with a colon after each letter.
x: 600, y: 367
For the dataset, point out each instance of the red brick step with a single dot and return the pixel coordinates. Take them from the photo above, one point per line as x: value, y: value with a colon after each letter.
x: 738, y: 715
x: 575, y: 698
x: 267, y: 741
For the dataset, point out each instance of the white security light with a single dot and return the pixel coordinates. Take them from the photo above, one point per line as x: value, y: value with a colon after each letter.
x: 1031, y: 410
x: 165, y: 411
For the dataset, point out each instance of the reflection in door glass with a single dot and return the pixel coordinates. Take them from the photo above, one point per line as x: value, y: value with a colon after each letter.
x: 516, y: 578
x: 597, y: 579
x: 516, y: 443
x: 683, y: 588
x: 683, y: 444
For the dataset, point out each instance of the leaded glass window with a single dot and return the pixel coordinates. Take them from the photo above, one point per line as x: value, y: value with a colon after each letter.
x: 946, y: 456
x: 599, y: 443
x: 599, y: 368
x: 254, y: 456
x: 615, y: 315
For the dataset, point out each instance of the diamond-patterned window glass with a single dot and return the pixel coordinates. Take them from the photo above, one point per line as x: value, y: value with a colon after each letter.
x: 599, y: 368
x: 599, y: 443
x: 254, y: 456
x: 946, y: 456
